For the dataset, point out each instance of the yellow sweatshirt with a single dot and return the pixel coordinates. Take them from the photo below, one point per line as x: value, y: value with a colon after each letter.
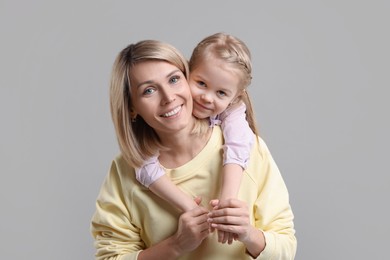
x: 130, y: 218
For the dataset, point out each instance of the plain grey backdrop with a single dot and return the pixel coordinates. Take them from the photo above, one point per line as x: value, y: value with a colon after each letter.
x: 320, y: 89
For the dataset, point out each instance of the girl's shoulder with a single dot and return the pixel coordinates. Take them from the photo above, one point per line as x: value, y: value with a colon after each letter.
x: 234, y: 111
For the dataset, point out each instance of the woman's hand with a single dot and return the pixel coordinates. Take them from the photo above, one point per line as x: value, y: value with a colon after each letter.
x: 192, y: 229
x: 232, y: 216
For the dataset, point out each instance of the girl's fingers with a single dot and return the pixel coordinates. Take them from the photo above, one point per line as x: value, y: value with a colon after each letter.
x: 231, y: 203
x: 230, y: 238
x: 231, y: 220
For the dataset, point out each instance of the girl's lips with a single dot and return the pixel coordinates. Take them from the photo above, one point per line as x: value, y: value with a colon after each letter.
x: 201, y: 106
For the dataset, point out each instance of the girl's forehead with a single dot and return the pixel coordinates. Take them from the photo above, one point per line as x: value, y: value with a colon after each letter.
x: 214, y: 65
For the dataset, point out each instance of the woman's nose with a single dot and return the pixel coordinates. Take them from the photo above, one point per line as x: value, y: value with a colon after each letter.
x: 168, y: 97
x: 166, y: 101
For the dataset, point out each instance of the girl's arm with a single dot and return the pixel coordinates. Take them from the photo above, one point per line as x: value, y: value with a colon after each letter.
x: 166, y: 189
x: 152, y: 175
x: 231, y: 180
x: 239, y: 140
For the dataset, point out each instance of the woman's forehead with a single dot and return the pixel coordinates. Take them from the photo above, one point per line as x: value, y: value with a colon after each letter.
x: 151, y: 70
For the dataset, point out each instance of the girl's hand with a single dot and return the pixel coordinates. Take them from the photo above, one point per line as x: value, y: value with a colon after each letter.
x: 231, y: 216
x: 223, y: 236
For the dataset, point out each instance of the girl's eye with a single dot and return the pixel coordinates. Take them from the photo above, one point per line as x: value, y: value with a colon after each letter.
x: 201, y: 84
x: 221, y: 93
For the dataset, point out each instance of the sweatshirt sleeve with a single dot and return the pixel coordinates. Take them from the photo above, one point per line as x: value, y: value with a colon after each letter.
x: 273, y: 214
x: 238, y: 136
x: 115, y: 236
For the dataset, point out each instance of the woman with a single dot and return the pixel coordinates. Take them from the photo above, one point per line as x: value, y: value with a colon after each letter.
x: 151, y: 106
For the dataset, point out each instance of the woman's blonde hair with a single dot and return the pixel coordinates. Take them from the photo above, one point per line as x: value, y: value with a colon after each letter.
x: 137, y: 140
x: 234, y: 52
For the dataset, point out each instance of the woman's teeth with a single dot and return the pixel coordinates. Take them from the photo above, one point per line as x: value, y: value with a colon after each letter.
x: 173, y: 112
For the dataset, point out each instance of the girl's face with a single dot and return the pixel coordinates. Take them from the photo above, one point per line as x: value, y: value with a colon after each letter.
x: 214, y: 85
x: 161, y: 96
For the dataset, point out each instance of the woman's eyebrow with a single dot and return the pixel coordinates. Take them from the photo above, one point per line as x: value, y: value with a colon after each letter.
x: 145, y: 82
x: 151, y: 81
x: 173, y: 72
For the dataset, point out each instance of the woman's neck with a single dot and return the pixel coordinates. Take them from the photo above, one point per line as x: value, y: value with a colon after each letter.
x: 182, y: 147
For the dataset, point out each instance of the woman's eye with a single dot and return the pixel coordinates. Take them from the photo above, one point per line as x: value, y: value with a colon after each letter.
x: 148, y: 91
x: 174, y: 79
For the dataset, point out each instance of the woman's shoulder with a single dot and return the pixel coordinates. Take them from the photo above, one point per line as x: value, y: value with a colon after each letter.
x: 260, y: 148
x: 121, y: 171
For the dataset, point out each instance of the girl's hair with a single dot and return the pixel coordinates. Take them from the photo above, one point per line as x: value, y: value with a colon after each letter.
x: 234, y: 52
x: 137, y: 140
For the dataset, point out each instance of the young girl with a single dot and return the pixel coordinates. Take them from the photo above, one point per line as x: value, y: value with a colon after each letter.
x: 220, y: 72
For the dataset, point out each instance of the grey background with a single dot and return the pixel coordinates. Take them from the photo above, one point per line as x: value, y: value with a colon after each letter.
x: 320, y: 88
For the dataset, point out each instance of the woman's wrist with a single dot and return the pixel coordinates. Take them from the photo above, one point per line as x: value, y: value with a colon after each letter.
x: 255, y: 242
x: 174, y: 246
x: 166, y: 249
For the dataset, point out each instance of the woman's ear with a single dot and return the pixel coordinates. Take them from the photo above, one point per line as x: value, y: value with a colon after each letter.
x: 133, y: 115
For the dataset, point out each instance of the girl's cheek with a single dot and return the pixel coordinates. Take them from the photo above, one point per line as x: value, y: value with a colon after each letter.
x: 194, y: 93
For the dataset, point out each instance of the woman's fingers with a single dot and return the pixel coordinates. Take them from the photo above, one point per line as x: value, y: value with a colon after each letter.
x: 192, y: 229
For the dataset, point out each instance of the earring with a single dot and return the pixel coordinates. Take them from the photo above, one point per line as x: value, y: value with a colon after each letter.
x: 134, y: 119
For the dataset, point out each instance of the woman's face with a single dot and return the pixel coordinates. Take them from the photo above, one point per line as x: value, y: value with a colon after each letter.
x: 214, y: 85
x: 161, y: 96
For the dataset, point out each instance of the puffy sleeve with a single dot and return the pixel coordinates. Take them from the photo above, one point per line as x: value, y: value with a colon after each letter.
x: 272, y: 211
x: 111, y: 226
x: 238, y: 136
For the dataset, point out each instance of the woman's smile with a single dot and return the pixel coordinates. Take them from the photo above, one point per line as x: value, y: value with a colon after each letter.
x: 173, y: 112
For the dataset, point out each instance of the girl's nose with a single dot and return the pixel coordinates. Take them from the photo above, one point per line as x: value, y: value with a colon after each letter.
x: 206, y: 98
